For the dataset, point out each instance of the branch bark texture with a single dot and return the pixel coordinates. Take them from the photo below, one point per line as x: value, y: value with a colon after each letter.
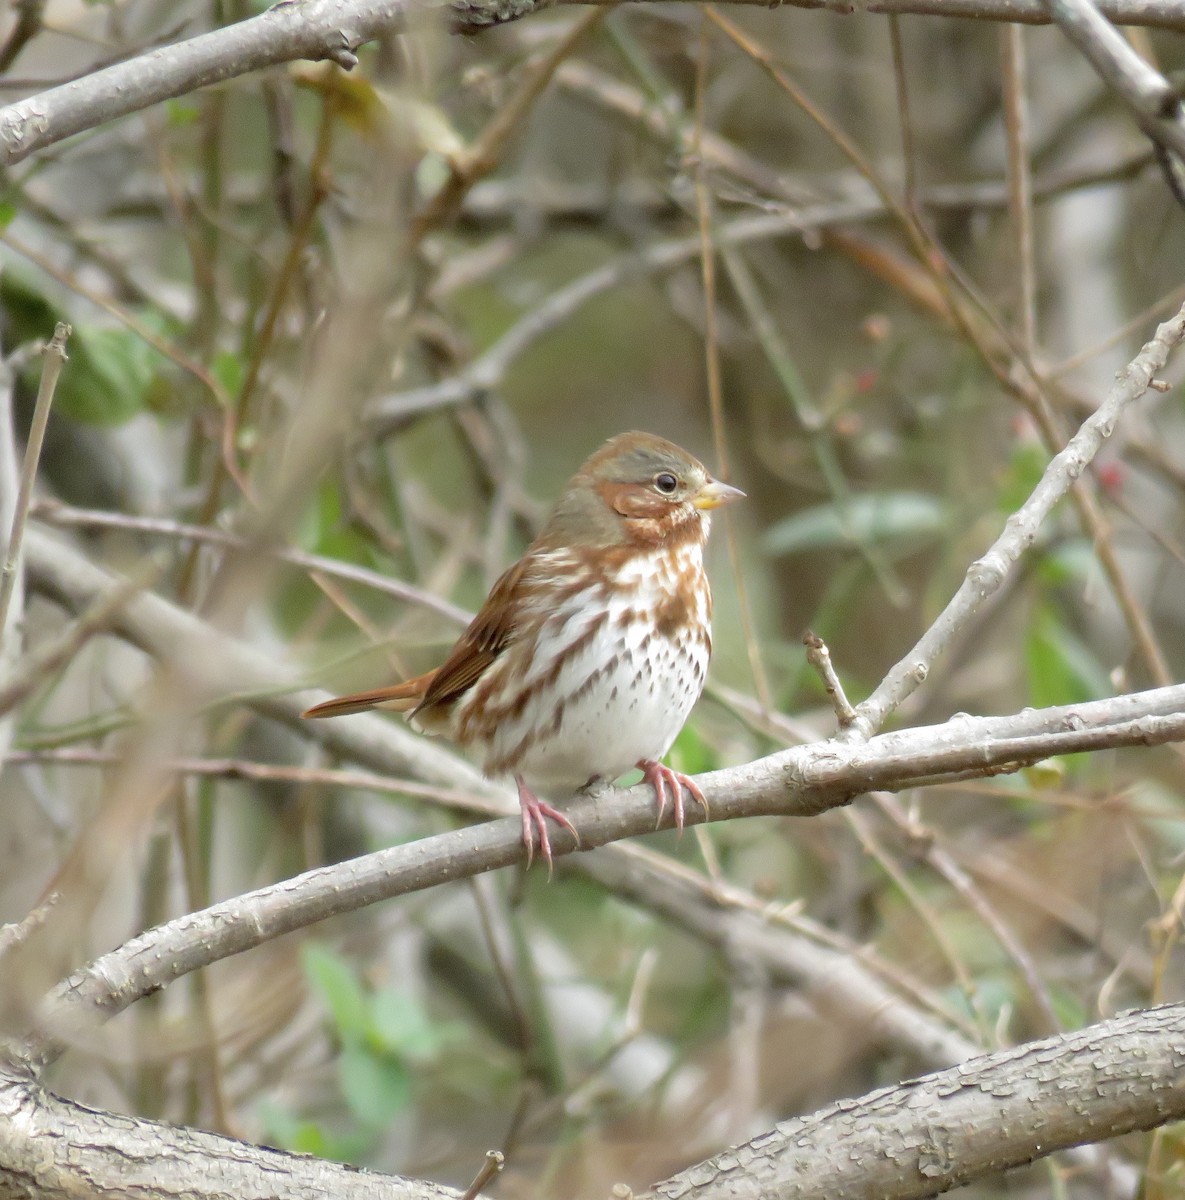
x: 55, y: 1149
x: 797, y: 782
x: 333, y: 29
x: 1149, y: 96
x: 313, y: 29
x: 928, y: 1135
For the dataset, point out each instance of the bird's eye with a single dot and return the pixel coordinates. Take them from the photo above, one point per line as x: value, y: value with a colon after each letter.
x: 666, y: 483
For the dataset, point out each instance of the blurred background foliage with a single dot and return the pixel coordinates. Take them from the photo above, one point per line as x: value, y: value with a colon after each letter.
x: 209, y: 254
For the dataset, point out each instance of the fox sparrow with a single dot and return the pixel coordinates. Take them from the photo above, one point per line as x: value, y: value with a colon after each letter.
x: 590, y: 651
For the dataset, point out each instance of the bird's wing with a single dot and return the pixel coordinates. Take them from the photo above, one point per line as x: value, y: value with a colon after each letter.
x: 488, y: 634
x: 486, y: 637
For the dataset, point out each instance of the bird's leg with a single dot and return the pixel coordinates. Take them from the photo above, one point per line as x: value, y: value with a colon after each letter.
x: 667, y: 781
x: 535, y: 813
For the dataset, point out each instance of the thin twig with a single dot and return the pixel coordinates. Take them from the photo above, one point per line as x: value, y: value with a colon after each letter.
x: 1020, y: 183
x: 987, y: 573
x: 241, y: 768
x: 1152, y: 100
x: 819, y: 657
x: 490, y: 1170
x: 28, y: 24
x: 925, y: 843
x: 54, y: 360
x: 901, y: 83
x: 963, y: 979
x: 55, y: 513
x: 707, y: 251
x: 481, y: 159
x: 19, y: 931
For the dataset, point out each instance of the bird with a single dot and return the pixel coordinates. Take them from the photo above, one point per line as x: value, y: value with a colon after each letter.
x: 589, y: 653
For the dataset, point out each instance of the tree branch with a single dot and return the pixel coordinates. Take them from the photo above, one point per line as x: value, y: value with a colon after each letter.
x: 988, y: 572
x: 55, y: 1149
x: 926, y: 1136
x: 853, y: 990
x: 333, y: 29
x: 314, y: 29
x: 1151, y: 98
x: 801, y: 781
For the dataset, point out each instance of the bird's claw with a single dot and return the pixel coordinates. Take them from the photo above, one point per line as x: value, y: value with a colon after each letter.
x: 671, y: 784
x: 535, y: 813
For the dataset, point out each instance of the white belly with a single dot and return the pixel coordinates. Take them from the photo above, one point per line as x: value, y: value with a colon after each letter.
x: 634, y: 711
x: 622, y: 694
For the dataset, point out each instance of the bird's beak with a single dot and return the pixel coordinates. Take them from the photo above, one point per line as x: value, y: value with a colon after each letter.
x: 714, y: 493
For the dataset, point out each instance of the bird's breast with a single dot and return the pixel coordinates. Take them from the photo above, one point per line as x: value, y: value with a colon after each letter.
x: 605, y: 675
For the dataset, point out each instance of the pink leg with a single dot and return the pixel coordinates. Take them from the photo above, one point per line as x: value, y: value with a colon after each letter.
x: 535, y: 814
x: 668, y: 782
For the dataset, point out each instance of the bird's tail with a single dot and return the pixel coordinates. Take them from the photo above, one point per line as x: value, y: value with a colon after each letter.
x: 401, y: 697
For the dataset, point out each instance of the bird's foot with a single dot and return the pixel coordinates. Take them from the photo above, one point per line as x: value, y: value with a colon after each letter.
x: 535, y: 813
x: 669, y: 783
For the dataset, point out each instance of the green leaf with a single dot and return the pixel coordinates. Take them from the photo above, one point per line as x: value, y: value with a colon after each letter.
x: 1062, y: 669
x: 28, y: 313
x: 876, y: 517
x: 691, y: 754
x: 376, y: 1087
x: 1022, y: 475
x: 106, y: 380
x: 288, y: 1130
x: 335, y: 982
x: 180, y: 113
x: 400, y: 1025
x: 110, y: 372
x: 229, y: 369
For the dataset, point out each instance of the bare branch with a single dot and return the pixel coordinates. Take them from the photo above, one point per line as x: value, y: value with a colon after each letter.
x: 55, y: 359
x: 800, y: 781
x: 53, y: 512
x: 315, y: 29
x: 334, y: 29
x: 1151, y: 98
x: 987, y: 573
x: 925, y: 1136
x: 819, y: 657
x: 56, y: 1149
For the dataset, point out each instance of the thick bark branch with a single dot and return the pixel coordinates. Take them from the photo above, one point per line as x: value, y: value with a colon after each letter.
x: 55, y: 1149
x: 916, y: 1139
x: 320, y: 29
x: 797, y: 782
x: 926, y: 1136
